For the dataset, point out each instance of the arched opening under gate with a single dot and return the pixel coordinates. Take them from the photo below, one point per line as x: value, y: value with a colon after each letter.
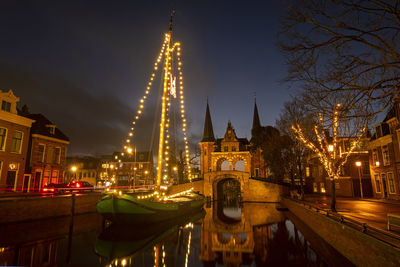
x: 228, y: 199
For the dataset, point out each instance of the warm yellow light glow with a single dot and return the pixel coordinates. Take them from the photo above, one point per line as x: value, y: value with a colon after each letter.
x: 330, y: 148
x: 358, y: 163
x: 73, y: 168
x: 377, y: 163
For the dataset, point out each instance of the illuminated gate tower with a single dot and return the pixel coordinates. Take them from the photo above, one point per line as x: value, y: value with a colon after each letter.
x: 231, y: 153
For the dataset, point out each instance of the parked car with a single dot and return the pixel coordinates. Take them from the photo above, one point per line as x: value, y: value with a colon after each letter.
x: 80, y: 186
x: 55, y: 188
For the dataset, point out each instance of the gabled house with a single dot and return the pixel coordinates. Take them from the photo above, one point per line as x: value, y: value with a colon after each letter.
x: 384, y: 149
x: 14, y: 139
x: 46, y: 157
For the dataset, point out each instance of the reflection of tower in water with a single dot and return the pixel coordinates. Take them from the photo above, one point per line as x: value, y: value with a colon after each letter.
x: 239, y: 240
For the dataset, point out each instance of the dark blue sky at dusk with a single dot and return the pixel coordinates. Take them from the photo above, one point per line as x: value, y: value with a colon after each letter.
x: 85, y: 64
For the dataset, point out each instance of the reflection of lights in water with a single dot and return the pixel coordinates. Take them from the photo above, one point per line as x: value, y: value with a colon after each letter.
x: 188, y: 249
x: 235, y: 213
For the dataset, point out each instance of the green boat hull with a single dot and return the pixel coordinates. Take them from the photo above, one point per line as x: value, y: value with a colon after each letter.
x: 130, y: 209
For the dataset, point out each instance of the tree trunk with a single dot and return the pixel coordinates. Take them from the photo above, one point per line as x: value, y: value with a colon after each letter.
x: 333, y: 195
x: 301, y: 178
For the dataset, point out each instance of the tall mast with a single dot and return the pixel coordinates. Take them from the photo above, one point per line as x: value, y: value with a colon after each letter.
x: 164, y: 100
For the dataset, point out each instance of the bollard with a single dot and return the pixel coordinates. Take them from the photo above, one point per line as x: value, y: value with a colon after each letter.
x: 73, y: 205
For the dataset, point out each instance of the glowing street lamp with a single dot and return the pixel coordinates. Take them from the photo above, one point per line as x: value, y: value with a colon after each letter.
x: 73, y: 169
x: 359, y: 164
x: 330, y: 148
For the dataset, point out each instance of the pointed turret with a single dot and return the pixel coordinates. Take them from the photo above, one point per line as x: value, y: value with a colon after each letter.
x: 208, y: 135
x: 256, y: 118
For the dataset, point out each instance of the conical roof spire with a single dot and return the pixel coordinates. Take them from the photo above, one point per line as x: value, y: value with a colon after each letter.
x: 208, y: 135
x: 256, y: 118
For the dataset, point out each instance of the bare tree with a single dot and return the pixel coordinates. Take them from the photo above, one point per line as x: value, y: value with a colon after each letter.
x: 343, y: 49
x: 293, y: 114
x: 326, y: 149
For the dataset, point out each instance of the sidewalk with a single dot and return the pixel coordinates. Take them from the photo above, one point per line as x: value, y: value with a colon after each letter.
x: 373, y: 212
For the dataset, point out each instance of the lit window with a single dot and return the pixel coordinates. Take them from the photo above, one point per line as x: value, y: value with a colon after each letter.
x: 391, y: 182
x: 54, y: 176
x: 322, y: 185
x: 16, y: 142
x: 6, y: 106
x: 307, y: 171
x: 3, y: 133
x: 377, y: 183
x: 315, y: 187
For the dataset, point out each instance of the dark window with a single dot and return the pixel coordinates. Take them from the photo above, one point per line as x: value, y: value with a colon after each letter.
x: 56, y: 155
x: 16, y: 142
x: 225, y: 149
x: 41, y: 149
x: 233, y: 148
x: 6, y: 106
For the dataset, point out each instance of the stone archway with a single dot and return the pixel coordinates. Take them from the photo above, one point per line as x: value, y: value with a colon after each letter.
x: 226, y: 187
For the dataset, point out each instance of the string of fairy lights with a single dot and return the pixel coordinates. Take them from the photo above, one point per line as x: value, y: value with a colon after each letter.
x: 327, y: 153
x: 170, y: 91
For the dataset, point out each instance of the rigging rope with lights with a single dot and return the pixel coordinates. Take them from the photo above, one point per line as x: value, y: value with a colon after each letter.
x: 172, y: 88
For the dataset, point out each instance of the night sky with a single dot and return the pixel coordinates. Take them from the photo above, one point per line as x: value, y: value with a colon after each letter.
x: 85, y: 64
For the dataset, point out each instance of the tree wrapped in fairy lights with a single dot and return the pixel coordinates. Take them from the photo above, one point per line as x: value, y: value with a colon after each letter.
x: 326, y: 148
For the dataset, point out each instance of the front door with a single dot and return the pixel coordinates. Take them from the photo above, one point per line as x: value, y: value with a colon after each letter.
x: 11, y: 175
x: 36, y: 182
x: 384, y: 185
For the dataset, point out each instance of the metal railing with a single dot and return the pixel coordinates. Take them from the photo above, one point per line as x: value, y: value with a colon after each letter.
x: 379, y: 234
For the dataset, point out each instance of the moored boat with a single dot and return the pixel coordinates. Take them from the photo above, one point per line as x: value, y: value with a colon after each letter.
x: 148, y: 209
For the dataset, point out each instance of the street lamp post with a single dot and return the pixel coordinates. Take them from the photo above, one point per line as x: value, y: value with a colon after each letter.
x: 358, y: 164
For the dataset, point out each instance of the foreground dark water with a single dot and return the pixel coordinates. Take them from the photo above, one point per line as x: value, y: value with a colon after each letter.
x: 225, y: 234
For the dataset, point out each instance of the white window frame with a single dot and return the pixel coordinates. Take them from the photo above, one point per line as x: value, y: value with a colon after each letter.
x: 385, y: 161
x: 394, y: 184
x: 44, y: 152
x: 22, y: 141
x: 377, y: 177
x: 5, y: 139
x: 58, y: 159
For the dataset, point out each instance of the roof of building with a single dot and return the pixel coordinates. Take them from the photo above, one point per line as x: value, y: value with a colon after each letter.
x: 256, y: 118
x: 208, y: 134
x: 42, y: 126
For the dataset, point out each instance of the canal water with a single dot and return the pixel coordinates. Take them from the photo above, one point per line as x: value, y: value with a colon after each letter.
x: 226, y: 233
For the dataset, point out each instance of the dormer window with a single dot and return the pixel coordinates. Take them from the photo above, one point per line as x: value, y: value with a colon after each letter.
x: 52, y: 129
x: 6, y: 106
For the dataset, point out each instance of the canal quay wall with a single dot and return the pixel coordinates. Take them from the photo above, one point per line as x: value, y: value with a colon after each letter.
x: 361, y: 249
x: 252, y: 190
x: 36, y: 208
x: 197, y: 187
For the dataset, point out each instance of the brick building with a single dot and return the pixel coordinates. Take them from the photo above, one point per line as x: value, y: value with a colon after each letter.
x: 46, y: 157
x: 83, y: 169
x: 14, y: 139
x: 348, y: 184
x: 385, y: 156
x: 132, y: 169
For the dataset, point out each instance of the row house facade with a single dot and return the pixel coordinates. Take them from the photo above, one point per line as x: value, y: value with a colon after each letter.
x: 47, y: 152
x: 133, y: 169
x: 84, y: 169
x: 385, y: 156
x: 355, y: 173
x: 14, y: 141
